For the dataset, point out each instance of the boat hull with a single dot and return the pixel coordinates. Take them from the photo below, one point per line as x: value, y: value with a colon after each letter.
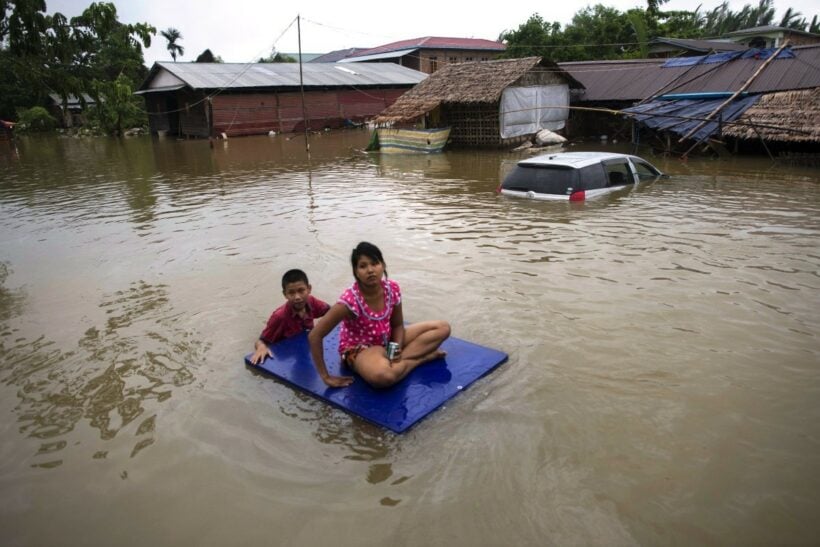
x: 423, y: 141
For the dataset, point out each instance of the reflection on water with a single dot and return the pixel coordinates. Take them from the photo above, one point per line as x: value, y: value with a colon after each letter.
x: 118, y: 373
x: 662, y: 385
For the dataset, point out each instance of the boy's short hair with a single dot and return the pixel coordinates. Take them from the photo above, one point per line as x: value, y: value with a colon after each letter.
x: 294, y: 276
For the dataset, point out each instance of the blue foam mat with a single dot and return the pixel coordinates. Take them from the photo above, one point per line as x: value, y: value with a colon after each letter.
x: 397, y: 408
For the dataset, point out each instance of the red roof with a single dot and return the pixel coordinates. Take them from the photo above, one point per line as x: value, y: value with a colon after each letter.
x: 435, y: 42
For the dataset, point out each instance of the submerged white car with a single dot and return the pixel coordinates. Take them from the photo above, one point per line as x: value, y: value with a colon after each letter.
x: 575, y: 176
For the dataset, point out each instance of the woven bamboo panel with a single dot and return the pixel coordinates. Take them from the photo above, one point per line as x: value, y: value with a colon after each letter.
x: 473, y: 125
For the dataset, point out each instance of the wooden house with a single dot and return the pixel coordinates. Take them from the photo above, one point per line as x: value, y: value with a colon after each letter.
x: 211, y: 99
x: 430, y: 53
x: 70, y: 113
x: 487, y: 104
x: 772, y: 36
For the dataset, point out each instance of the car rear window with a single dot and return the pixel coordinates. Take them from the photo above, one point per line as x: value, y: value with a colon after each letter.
x: 540, y: 179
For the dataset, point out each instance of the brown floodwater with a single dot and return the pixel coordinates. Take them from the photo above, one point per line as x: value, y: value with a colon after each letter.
x: 663, y: 385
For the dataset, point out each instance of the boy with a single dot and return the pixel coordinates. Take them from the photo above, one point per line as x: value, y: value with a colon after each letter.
x: 292, y: 317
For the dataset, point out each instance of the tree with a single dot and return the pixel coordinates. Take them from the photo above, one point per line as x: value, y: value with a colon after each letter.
x: 276, y: 57
x: 681, y: 24
x: 600, y: 32
x: 117, y: 107
x: 23, y: 25
x: 42, y: 54
x: 173, y: 35
x: 535, y: 37
x: 207, y: 56
x: 792, y: 19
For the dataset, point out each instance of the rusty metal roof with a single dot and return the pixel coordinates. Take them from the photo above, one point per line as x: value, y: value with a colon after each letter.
x: 266, y: 75
x: 635, y: 80
x: 337, y: 55
x: 435, y: 42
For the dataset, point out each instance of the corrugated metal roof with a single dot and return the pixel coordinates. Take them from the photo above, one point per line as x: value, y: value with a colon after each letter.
x: 771, y: 29
x: 682, y: 116
x: 436, y: 42
x: 704, y: 46
x: 338, y: 55
x: 264, y: 75
x: 615, y: 80
x: 637, y: 80
x: 378, y: 56
x: 73, y: 100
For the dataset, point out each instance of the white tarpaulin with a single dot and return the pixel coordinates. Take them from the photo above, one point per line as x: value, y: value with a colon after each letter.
x: 525, y: 110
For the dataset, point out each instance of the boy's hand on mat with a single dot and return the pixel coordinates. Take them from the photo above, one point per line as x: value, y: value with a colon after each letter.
x: 260, y: 354
x: 338, y: 381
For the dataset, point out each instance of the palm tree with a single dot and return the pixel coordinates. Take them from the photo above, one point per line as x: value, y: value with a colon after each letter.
x: 172, y: 35
x: 792, y: 19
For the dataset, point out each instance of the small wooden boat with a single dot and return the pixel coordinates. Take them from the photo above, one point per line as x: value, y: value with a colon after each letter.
x: 6, y: 130
x: 393, y: 140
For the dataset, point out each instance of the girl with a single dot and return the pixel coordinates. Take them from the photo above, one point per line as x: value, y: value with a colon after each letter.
x: 371, y: 315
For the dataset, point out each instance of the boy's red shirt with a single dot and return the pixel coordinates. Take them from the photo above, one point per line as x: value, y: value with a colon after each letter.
x: 284, y: 322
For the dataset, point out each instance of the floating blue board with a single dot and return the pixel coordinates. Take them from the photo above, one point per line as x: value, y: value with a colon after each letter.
x: 397, y: 408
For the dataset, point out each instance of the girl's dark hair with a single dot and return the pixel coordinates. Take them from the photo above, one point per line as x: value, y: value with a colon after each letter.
x: 370, y: 251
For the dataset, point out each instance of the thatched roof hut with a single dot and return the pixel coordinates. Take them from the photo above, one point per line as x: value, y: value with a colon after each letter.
x: 470, y: 98
x: 787, y: 116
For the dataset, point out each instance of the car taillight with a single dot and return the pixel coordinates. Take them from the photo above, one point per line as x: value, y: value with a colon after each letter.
x: 580, y: 195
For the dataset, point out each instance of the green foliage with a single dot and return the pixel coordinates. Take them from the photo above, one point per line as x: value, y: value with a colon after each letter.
x: 535, y: 37
x: 173, y: 35
x: 42, y: 54
x: 23, y: 26
x: 639, y: 28
x: 601, y: 32
x: 276, y: 57
x: 207, y: 56
x: 722, y: 20
x: 681, y: 24
x: 117, y: 107
x: 34, y: 119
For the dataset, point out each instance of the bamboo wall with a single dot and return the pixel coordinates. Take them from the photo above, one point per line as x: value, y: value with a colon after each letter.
x: 472, y: 124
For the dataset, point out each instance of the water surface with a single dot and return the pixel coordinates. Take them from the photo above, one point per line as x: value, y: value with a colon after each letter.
x: 662, y: 386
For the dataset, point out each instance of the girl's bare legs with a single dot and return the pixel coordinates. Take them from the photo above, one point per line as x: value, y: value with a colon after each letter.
x: 421, y: 345
x: 423, y: 340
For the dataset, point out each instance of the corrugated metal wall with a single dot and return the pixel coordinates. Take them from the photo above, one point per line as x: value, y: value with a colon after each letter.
x: 258, y: 113
x: 238, y: 114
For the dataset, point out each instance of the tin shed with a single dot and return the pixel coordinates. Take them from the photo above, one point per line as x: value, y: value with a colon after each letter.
x: 207, y: 99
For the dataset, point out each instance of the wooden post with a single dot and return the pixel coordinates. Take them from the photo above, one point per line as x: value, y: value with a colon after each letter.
x: 302, y: 84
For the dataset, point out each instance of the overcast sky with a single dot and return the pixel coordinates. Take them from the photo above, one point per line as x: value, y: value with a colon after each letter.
x: 244, y: 30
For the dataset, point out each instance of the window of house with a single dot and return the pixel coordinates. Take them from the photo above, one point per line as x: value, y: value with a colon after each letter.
x: 468, y: 59
x: 433, y: 63
x: 453, y: 60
